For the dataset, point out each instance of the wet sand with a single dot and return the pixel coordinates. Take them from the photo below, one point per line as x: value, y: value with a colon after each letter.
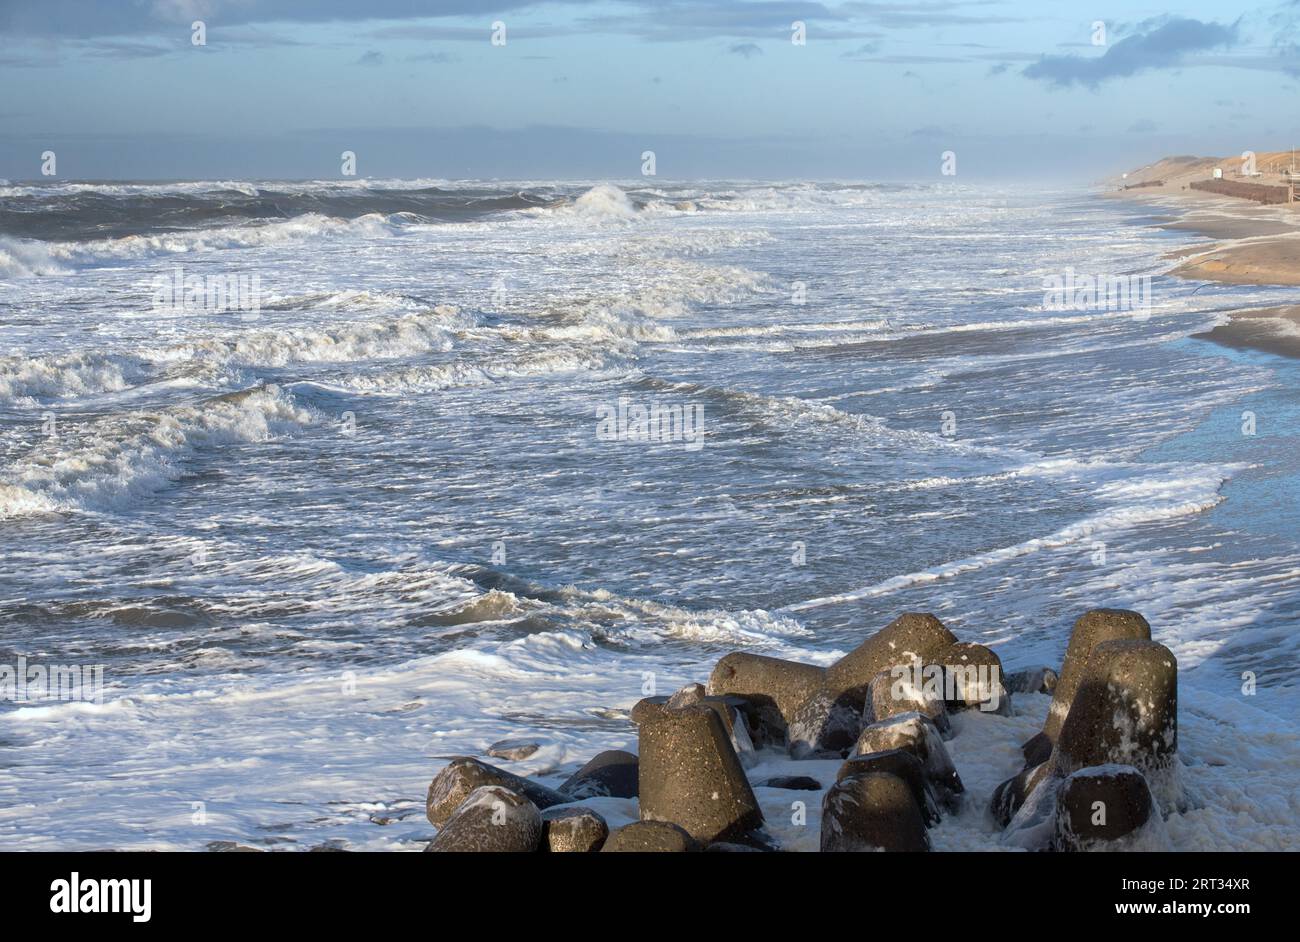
x: 1253, y: 245
x: 1273, y: 330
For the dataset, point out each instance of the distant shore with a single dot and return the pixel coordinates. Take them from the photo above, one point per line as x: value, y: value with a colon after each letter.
x: 1254, y: 244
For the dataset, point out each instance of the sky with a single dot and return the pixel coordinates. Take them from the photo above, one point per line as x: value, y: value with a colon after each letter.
x: 1015, y: 89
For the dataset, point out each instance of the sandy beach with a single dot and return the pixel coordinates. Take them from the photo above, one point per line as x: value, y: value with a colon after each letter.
x: 1253, y: 244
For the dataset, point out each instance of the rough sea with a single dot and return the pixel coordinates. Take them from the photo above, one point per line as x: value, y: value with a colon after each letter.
x: 334, y: 480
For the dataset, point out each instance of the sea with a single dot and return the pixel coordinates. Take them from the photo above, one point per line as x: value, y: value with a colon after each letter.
x: 314, y: 485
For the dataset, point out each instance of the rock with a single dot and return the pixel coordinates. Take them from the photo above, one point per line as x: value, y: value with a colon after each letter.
x: 569, y: 830
x: 907, y: 767
x: 823, y: 726
x: 690, y: 775
x: 654, y: 837
x: 728, y: 708
x: 492, y: 819
x: 725, y: 847
x: 609, y: 774
x: 1092, y: 628
x: 512, y: 749
x: 909, y: 637
x: 454, y: 784
x: 973, y: 675
x: 1125, y: 713
x: 1011, y: 794
x: 1032, y: 680
x: 802, y: 783
x: 1037, y: 749
x: 788, y: 701
x: 1100, y: 804
x: 872, y: 812
x: 914, y: 733
x: 904, y: 690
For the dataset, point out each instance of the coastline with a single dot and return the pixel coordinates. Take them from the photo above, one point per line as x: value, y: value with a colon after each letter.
x: 1251, y: 244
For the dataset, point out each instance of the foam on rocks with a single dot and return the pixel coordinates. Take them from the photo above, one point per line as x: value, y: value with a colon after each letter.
x: 453, y: 785
x: 492, y: 820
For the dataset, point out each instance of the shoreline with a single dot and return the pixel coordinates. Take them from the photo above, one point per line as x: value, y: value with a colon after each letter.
x: 1251, y: 244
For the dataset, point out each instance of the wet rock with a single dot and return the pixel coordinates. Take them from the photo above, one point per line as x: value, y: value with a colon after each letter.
x: 726, y: 847
x: 823, y: 727
x: 512, y: 749
x: 650, y: 837
x: 907, y: 767
x: 492, y: 819
x: 914, y: 733
x: 1091, y: 629
x: 1032, y: 680
x: 454, y: 784
x: 1011, y: 794
x: 802, y: 783
x: 1037, y: 749
x: 872, y: 812
x: 780, y: 695
x: 974, y: 679
x: 1099, y: 805
x: 570, y: 830
x: 909, y: 637
x: 1126, y: 713
x: 609, y: 774
x: 905, y: 690
x: 730, y: 710
x: 690, y: 775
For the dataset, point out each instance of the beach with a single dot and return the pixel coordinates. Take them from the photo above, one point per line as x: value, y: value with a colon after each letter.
x: 1249, y: 244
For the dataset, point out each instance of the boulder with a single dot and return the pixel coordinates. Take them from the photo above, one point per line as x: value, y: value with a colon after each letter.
x: 1091, y: 629
x: 567, y: 830
x: 914, y: 733
x: 730, y: 710
x: 690, y: 775
x: 1125, y: 713
x: 802, y: 783
x: 974, y: 680
x: 1010, y: 796
x: 492, y: 819
x: 872, y: 812
x: 907, y: 767
x: 1032, y: 680
x: 905, y: 690
x: 725, y: 847
x: 650, y: 837
x: 1100, y: 804
x: 453, y: 785
x: 909, y: 637
x: 512, y: 749
x: 788, y: 701
x: 609, y: 774
x: 823, y: 727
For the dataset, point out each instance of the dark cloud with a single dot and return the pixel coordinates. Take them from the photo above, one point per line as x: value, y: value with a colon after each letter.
x: 748, y: 50
x: 1159, y: 47
x: 373, y: 57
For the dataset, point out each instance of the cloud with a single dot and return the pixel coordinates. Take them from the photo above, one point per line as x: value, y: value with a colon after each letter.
x: 1160, y: 47
x: 373, y: 57
x: 748, y: 50
x: 1143, y: 126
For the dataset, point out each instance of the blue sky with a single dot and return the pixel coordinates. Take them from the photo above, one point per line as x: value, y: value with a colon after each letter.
x: 580, y: 89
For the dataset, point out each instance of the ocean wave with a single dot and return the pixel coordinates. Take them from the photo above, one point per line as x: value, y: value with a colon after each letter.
x: 120, y: 460
x: 72, y: 375
x: 300, y: 228
x: 1162, y: 493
